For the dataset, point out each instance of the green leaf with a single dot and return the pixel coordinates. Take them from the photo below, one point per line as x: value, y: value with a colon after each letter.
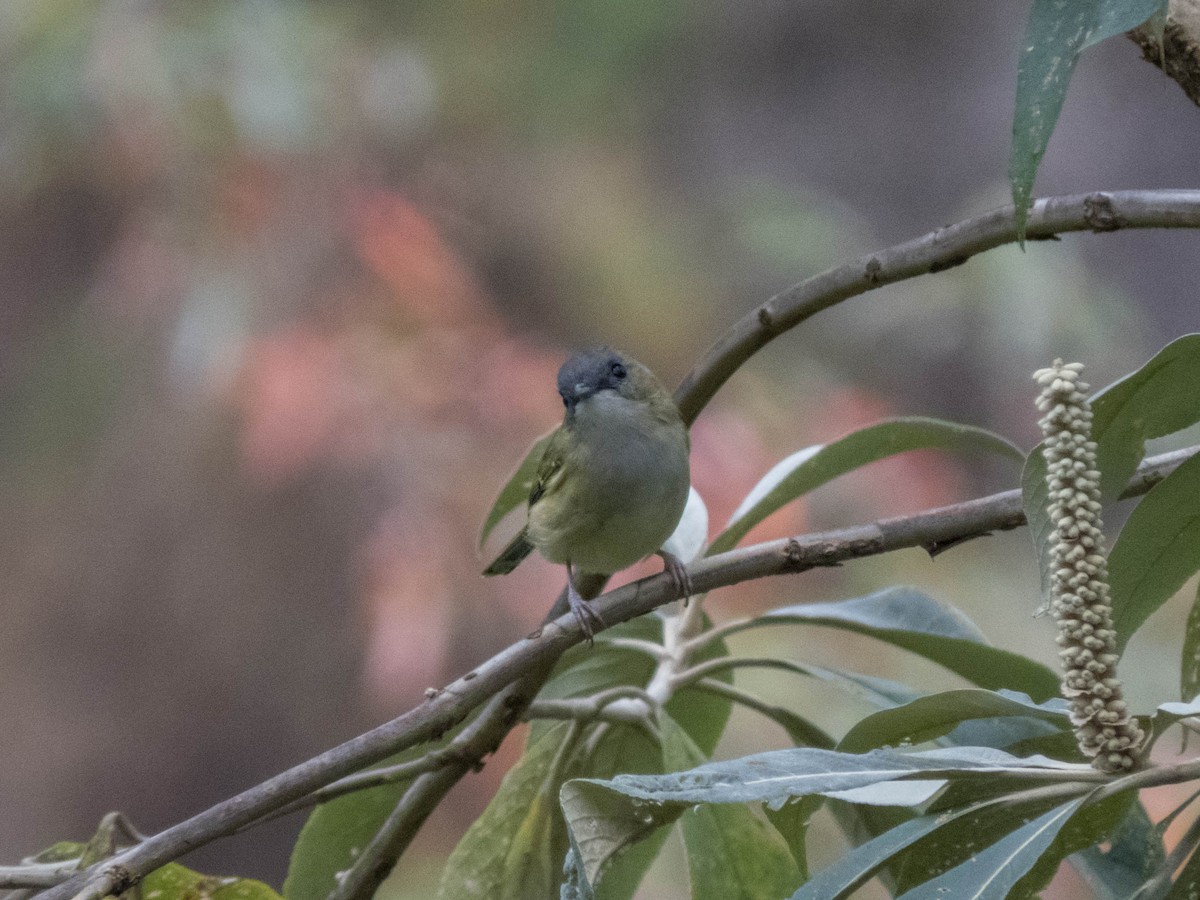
x: 175, y: 882
x: 1157, y: 550
x: 333, y: 835
x: 1035, y: 499
x: 602, y: 823
x: 1087, y: 828
x: 791, y: 821
x: 1158, y: 399
x: 931, y: 717
x: 909, y: 619
x: 336, y: 831
x: 992, y: 873
x: 994, y: 813
x: 1135, y: 855
x: 880, y: 692
x: 860, y: 864
x: 60, y: 851
x: 516, y: 490
x: 583, y: 672
x: 810, y: 468
x: 732, y: 855
x: 514, y: 849
x: 1187, y: 883
x: 1189, y: 668
x: 622, y: 751
x: 863, y: 862
x: 1055, y: 35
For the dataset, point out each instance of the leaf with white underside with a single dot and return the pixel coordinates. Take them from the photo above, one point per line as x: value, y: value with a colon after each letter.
x: 1168, y: 714
x: 687, y: 540
x: 814, y: 466
x: 604, y: 816
x: 778, y: 775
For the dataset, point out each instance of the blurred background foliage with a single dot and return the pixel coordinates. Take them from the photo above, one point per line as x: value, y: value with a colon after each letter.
x: 284, y: 286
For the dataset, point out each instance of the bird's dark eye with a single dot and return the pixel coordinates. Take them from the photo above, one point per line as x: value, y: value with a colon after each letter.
x: 618, y: 370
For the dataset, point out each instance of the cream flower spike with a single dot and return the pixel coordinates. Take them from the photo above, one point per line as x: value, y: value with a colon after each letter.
x: 1079, y: 580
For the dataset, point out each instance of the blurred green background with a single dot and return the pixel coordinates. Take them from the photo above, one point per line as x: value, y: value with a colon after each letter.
x: 283, y: 288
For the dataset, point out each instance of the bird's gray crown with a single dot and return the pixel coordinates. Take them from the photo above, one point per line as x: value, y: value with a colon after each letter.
x: 588, y: 371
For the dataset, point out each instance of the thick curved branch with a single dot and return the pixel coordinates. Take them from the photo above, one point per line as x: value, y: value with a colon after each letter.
x: 941, y: 249
x: 958, y: 522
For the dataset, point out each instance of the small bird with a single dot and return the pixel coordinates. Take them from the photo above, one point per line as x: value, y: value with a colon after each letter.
x: 612, y: 483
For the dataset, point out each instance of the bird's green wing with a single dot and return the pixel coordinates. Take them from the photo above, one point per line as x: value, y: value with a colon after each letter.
x: 550, y: 469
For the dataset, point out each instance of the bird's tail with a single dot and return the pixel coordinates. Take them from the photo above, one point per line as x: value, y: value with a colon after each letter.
x: 510, y: 557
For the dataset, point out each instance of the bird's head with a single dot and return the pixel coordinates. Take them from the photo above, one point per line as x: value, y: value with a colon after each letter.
x: 590, y: 372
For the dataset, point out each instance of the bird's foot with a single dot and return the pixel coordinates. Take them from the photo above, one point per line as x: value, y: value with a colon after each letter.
x: 675, y: 568
x: 589, y: 620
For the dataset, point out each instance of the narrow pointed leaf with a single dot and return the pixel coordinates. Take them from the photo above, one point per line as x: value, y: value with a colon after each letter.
x: 1135, y: 855
x: 516, y: 490
x: 810, y: 468
x: 791, y: 821
x: 914, y: 621
x: 862, y: 863
x: 1055, y: 35
x: 1189, y: 657
x: 1157, y: 550
x: 1187, y: 883
x: 994, y: 872
x: 1035, y: 500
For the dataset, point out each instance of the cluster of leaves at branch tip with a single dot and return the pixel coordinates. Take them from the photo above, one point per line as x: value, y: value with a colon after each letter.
x: 1079, y: 580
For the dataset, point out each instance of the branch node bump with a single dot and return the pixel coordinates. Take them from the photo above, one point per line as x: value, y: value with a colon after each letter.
x: 1100, y: 213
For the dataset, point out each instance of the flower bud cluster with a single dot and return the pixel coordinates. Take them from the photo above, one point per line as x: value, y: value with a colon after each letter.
x: 1079, y: 580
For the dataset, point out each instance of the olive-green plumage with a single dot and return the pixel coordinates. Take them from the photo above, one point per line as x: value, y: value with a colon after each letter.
x: 613, y: 480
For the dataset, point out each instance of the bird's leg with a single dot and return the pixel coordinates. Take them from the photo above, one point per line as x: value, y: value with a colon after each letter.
x: 675, y: 568
x: 589, y: 620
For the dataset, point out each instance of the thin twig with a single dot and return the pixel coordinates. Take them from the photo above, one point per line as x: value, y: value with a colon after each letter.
x: 37, y: 875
